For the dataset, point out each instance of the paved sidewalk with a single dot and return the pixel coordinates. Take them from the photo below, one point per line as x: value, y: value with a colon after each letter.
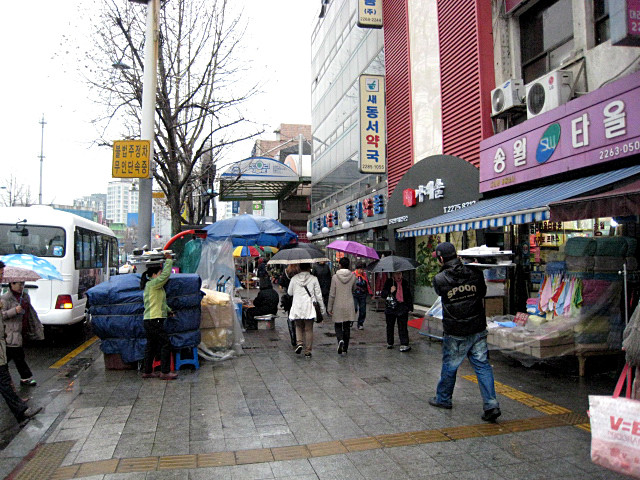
x: 272, y: 414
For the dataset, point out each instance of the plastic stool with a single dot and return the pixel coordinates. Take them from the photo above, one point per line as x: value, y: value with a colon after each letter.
x: 187, y: 361
x: 157, y: 363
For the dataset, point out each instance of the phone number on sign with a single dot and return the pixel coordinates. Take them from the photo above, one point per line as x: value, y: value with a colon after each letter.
x: 623, y: 149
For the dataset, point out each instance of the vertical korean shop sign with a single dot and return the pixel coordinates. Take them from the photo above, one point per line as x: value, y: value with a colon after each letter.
x: 373, y: 158
x: 130, y: 159
x: 370, y: 13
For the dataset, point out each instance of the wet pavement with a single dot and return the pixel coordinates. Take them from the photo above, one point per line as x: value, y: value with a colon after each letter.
x: 272, y: 414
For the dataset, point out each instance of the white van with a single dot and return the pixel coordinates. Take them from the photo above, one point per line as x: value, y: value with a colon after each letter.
x: 83, y: 252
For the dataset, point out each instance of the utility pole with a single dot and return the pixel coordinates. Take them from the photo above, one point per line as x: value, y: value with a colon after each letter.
x: 147, y: 128
x: 43, y: 123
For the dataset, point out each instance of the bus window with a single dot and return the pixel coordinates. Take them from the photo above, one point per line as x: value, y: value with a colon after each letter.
x: 40, y: 241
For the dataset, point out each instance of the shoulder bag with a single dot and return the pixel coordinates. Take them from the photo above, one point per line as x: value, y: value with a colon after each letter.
x: 613, y: 429
x: 316, y: 305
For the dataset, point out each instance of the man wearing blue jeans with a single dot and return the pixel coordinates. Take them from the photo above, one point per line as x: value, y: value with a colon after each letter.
x: 462, y: 290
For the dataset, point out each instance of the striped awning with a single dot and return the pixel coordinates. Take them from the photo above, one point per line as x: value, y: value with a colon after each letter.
x: 515, y: 208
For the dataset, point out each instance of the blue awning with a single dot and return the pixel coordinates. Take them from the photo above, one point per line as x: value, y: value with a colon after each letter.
x: 515, y: 208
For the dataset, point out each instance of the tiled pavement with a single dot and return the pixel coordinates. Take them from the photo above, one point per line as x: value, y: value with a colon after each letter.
x: 271, y: 414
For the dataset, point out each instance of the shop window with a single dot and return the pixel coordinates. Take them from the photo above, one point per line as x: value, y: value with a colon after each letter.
x: 546, y: 37
x: 601, y: 20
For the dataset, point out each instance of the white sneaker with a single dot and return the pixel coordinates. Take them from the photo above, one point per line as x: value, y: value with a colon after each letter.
x: 405, y: 348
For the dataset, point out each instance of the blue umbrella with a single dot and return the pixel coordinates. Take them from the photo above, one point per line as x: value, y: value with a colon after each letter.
x: 251, y: 230
x: 39, y: 265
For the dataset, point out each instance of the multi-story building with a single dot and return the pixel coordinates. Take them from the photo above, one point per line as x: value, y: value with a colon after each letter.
x: 542, y: 101
x: 122, y: 199
x: 341, y: 52
x: 96, y: 202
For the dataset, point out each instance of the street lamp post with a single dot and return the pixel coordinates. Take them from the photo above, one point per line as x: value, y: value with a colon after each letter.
x: 147, y: 128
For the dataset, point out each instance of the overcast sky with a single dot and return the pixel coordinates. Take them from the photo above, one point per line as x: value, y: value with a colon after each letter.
x: 40, y: 76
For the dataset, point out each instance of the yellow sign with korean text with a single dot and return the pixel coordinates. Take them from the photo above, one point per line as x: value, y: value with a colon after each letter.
x: 370, y: 13
x: 373, y: 151
x: 130, y: 159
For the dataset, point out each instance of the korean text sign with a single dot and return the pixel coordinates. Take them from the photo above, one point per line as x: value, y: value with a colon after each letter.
x: 370, y: 13
x: 372, y: 125
x: 599, y: 127
x: 130, y: 159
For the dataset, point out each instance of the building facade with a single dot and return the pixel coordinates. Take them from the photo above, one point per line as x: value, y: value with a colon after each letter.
x: 122, y: 199
x: 341, y: 196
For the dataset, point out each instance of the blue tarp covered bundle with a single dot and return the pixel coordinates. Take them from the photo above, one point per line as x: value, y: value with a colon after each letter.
x: 117, y: 310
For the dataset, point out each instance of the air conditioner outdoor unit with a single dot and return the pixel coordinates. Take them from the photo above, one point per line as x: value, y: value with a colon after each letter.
x: 548, y: 92
x: 507, y: 96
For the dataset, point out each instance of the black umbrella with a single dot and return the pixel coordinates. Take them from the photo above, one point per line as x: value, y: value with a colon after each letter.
x: 307, y: 246
x: 289, y: 256
x: 393, y: 263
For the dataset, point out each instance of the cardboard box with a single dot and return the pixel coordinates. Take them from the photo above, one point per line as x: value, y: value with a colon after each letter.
x: 550, y: 346
x: 217, y: 316
x: 494, y: 306
x: 216, y: 338
x: 113, y: 361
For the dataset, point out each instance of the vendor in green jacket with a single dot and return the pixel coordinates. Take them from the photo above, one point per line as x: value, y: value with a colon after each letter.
x: 155, y: 314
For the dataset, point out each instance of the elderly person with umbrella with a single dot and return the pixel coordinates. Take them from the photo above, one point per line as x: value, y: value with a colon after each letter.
x: 305, y: 290
x: 399, y: 300
x: 21, y: 411
x: 20, y: 318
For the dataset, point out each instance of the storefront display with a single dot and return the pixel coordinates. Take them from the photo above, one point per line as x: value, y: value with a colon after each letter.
x: 561, y: 191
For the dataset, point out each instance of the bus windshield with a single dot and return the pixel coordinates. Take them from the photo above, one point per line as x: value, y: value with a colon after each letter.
x: 36, y: 240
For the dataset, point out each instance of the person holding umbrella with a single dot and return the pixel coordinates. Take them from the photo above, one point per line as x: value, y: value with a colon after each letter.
x: 21, y: 411
x: 19, y: 316
x: 305, y: 289
x: 399, y: 302
x: 341, y: 304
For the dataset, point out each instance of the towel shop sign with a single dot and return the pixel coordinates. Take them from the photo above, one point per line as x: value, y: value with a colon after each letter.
x: 599, y: 127
x: 363, y: 210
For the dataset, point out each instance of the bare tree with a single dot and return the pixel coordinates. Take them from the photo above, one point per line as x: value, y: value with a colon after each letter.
x: 199, y: 97
x: 13, y: 193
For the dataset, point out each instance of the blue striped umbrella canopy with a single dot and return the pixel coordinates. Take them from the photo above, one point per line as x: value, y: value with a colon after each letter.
x: 39, y: 265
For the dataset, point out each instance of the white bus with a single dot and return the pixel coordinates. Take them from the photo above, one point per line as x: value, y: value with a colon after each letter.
x: 83, y: 252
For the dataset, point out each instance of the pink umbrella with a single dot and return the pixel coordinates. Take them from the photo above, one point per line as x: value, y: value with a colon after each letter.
x: 17, y: 274
x: 355, y: 248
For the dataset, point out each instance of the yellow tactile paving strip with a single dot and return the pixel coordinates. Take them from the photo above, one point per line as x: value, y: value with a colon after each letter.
x: 53, y: 454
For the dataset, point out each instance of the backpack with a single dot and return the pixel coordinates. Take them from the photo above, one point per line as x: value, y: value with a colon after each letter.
x: 361, y: 286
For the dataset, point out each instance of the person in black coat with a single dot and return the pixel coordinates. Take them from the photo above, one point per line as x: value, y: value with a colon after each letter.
x: 398, y: 305
x: 266, y: 303
x: 462, y: 289
x: 322, y: 271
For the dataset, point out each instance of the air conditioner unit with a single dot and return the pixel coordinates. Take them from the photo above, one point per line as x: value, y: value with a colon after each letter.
x: 548, y: 92
x: 507, y: 96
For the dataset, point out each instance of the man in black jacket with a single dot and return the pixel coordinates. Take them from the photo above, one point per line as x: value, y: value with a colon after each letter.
x: 266, y: 303
x: 462, y: 290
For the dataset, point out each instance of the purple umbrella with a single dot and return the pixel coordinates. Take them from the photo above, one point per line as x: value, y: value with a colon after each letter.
x: 354, y: 248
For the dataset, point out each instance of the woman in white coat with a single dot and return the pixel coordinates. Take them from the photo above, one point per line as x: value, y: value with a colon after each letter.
x: 302, y: 310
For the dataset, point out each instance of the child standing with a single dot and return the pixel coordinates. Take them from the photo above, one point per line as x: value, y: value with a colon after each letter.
x: 155, y: 314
